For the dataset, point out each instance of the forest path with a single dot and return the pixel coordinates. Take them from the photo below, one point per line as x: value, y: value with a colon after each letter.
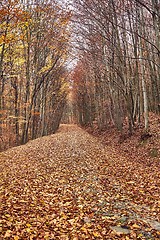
x: 70, y: 186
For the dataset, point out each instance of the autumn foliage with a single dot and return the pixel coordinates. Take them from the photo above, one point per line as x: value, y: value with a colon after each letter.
x: 70, y: 186
x: 33, y: 79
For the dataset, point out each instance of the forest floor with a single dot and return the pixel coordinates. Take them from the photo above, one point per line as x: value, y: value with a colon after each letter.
x: 71, y: 186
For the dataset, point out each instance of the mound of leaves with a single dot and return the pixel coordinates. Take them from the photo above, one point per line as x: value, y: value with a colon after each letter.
x: 69, y: 186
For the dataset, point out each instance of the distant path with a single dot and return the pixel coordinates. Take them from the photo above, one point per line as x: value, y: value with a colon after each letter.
x: 69, y: 186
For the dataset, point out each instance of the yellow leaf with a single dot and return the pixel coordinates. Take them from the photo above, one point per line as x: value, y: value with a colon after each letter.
x: 28, y: 225
x: 88, y: 225
x: 8, y: 234
x: 135, y: 226
x: 67, y: 203
x: 140, y: 235
x: 141, y: 191
x: 127, y: 238
x: 46, y: 235
x: 31, y: 237
x: 96, y: 234
x: 99, y: 227
x: 84, y: 229
x: 64, y: 216
x: 80, y: 206
x: 16, y: 238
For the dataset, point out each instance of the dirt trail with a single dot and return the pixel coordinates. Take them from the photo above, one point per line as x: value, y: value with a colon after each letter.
x: 69, y: 186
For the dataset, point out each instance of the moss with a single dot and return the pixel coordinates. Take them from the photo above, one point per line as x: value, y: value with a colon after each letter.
x: 154, y: 152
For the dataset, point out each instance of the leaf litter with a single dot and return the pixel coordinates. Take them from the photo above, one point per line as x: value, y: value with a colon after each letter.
x: 70, y: 186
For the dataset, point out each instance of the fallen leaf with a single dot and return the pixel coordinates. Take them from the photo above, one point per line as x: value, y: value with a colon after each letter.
x: 136, y: 226
x: 16, y: 238
x: 8, y: 234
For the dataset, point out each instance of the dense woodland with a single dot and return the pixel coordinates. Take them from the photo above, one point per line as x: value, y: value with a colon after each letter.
x: 81, y: 79
x: 115, y: 78
x: 34, y: 39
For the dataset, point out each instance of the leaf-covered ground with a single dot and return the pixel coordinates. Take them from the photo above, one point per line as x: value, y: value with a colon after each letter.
x: 70, y: 186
